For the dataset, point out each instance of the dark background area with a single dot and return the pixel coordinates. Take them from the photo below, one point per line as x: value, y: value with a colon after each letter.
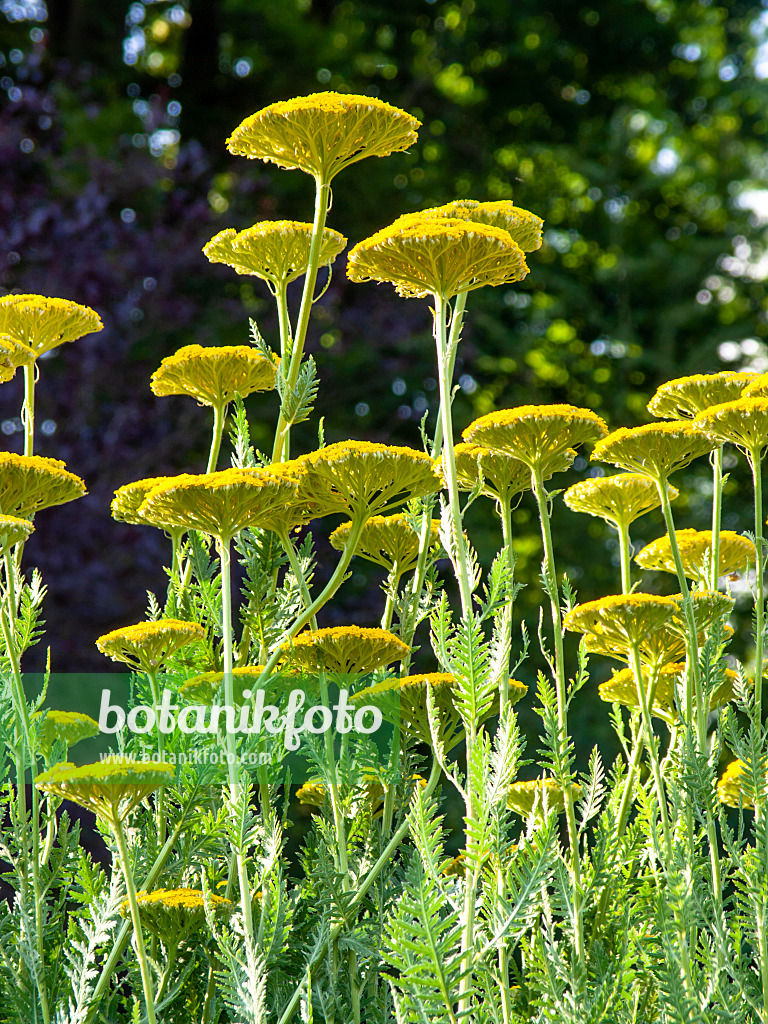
x: 635, y: 128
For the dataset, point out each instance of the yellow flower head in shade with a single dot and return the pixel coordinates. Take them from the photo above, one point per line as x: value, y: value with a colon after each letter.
x: 129, y: 498
x: 685, y: 397
x: 323, y: 133
x: 68, y: 726
x: 743, y: 422
x: 275, y: 250
x: 29, y: 483
x: 175, y: 914
x: 148, y: 645
x: 656, y: 649
x: 13, y: 354
x: 622, y: 619
x: 440, y: 257
x: 344, y: 649
x: 387, y: 540
x: 655, y: 449
x: 621, y: 689
x: 41, y: 323
x: 362, y: 479
x: 214, y: 375
x: 729, y: 788
x: 204, y: 687
x: 111, y: 789
x: 709, y: 607
x: 736, y: 553
x: 311, y: 794
x: 524, y: 797
x: 619, y: 499
x: 538, y: 435
x: 523, y: 226
x: 404, y: 700
x: 502, y: 476
x: 223, y: 503
x: 13, y: 530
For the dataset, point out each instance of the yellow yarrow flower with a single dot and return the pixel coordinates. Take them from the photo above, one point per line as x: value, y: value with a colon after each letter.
x: 655, y: 449
x: 619, y: 499
x: 68, y: 726
x: 203, y: 688
x: 43, y: 323
x: 129, y: 498
x: 323, y: 133
x: 111, y: 789
x: 345, y: 650
x: 743, y: 422
x: 622, y: 619
x: 523, y: 226
x: 13, y: 354
x: 439, y: 257
x: 175, y: 914
x: 709, y: 607
x: 223, y: 503
x: 538, y: 435
x: 685, y: 397
x: 12, y: 531
x: 147, y: 646
x: 502, y: 476
x: 214, y: 375
x: 536, y: 794
x: 756, y: 388
x: 275, y: 250
x: 29, y: 483
x: 736, y: 553
x: 361, y: 479
x: 656, y: 649
x: 388, y: 541
x: 730, y: 788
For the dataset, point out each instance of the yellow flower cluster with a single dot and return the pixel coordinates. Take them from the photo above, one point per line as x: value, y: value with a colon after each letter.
x: 111, y: 789
x: 655, y: 449
x: 345, y: 649
x: 743, y: 422
x: 387, y: 540
x: 13, y: 354
x: 68, y: 726
x: 618, y: 499
x: 502, y: 476
x: 695, y: 546
x: 522, y: 226
x: 622, y: 689
x: 203, y: 688
x: 43, y: 323
x: 147, y: 646
x: 29, y: 483
x: 12, y: 531
x: 622, y: 619
x: 537, y: 794
x: 688, y: 396
x: 214, y: 375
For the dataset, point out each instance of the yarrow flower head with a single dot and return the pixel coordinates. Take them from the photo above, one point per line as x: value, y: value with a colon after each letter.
x: 523, y: 226
x: 695, y: 546
x: 538, y: 435
x: 43, y: 323
x: 176, y: 914
x: 13, y: 354
x: 111, y: 789
x: 709, y: 607
x: 686, y: 397
x: 623, y: 619
x: 345, y: 650
x: 70, y: 727
x: 129, y: 498
x: 618, y: 499
x: 147, y: 646
x: 501, y: 476
x: 731, y: 790
x: 439, y: 257
x: 537, y: 795
x: 743, y: 422
x: 29, y: 483
x: 361, y: 479
x: 275, y: 250
x: 388, y: 541
x: 323, y: 133
x: 214, y: 375
x: 621, y: 688
x: 205, y: 686
x: 12, y: 531
x: 655, y: 449
x: 224, y: 503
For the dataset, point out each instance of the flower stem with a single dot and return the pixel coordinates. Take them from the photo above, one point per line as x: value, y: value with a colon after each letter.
x: 505, y: 514
x: 717, y: 506
x: 28, y: 409
x: 757, y: 479
x: 219, y: 418
x: 624, y: 551
x: 645, y: 712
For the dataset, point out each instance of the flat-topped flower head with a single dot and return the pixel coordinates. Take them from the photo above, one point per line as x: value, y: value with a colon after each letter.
x: 686, y: 397
x: 538, y: 435
x: 656, y: 649
x: 709, y: 607
x: 622, y: 689
x: 523, y: 226
x: 147, y: 646
x: 737, y: 553
x: 176, y: 914
x: 622, y: 619
x: 12, y: 531
x: 129, y: 498
x: 501, y: 476
x: 13, y: 354
x: 655, y: 449
x: 224, y: 503
x: 275, y: 250
x: 743, y: 422
x: 29, y: 483
x: 756, y: 388
x: 345, y: 650
x: 111, y: 789
x: 731, y: 788
x: 387, y: 540
x: 43, y: 323
x: 214, y: 375
x: 537, y: 794
x: 619, y: 499
x: 203, y: 688
x: 68, y: 726
x: 323, y: 133
x: 362, y: 479
x: 439, y: 257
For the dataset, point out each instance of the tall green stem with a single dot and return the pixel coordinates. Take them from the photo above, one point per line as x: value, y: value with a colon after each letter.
x: 624, y: 552
x: 141, y: 952
x: 505, y: 514
x: 219, y: 417
x: 717, y: 506
x: 757, y: 479
x: 645, y: 712
x: 28, y: 409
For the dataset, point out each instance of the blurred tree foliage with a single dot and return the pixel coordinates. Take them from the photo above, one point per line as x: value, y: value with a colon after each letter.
x: 635, y: 128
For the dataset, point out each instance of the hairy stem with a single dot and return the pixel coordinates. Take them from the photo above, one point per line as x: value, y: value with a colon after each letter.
x: 130, y: 888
